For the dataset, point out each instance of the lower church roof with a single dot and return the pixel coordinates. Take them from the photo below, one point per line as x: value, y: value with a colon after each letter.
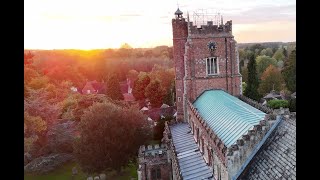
x: 191, y: 162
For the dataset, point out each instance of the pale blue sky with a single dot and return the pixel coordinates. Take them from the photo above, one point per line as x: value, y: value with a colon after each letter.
x: 89, y: 24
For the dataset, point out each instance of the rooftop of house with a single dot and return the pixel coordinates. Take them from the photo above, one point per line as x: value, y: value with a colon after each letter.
x: 191, y: 162
x: 272, y: 95
x: 277, y: 156
x: 226, y: 115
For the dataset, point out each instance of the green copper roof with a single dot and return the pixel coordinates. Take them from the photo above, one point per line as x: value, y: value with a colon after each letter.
x: 226, y: 115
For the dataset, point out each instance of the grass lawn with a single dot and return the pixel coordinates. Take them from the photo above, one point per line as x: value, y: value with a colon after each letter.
x: 64, y: 173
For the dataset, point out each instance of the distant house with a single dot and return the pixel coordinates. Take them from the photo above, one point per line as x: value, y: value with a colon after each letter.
x: 94, y: 87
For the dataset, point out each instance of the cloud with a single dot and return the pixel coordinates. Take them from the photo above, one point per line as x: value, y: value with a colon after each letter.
x: 264, y: 14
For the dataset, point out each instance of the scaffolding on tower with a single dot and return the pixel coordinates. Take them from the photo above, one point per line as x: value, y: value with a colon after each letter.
x: 202, y: 16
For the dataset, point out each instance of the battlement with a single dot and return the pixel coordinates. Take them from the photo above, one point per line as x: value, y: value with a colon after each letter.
x: 152, y: 151
x: 210, y: 28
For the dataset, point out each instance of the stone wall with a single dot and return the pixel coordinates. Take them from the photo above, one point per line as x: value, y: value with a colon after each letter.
x: 151, y: 158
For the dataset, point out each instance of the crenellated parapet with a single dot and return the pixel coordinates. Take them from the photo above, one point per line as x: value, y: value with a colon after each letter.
x: 221, y: 30
x: 255, y: 104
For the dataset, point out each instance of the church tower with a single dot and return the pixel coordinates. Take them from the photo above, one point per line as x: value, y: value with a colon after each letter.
x: 206, y: 57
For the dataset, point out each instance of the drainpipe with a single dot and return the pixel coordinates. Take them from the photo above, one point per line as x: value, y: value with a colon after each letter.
x: 225, y: 43
x: 231, y: 68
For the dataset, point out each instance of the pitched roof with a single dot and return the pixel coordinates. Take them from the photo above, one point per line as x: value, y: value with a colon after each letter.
x: 226, y: 115
x: 272, y: 95
x: 191, y: 163
x: 276, y: 158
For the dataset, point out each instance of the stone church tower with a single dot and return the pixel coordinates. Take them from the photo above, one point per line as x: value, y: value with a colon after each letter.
x: 206, y: 57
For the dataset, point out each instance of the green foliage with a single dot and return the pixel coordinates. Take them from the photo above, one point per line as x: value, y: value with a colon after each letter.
x: 266, y: 52
x: 113, y: 88
x: 280, y: 64
x: 263, y: 62
x: 289, y: 72
x: 278, y: 55
x: 244, y: 73
x: 271, y: 78
x: 84, y: 102
x: 244, y: 86
x: 292, y: 104
x: 110, y: 136
x: 276, y: 104
x: 155, y: 93
x: 253, y: 83
x: 140, y: 85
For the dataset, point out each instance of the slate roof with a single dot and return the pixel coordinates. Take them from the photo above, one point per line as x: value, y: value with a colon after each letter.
x: 276, y: 159
x: 226, y: 115
x: 191, y: 162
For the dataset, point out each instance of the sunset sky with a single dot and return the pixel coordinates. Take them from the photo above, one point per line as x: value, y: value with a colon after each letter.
x: 100, y: 24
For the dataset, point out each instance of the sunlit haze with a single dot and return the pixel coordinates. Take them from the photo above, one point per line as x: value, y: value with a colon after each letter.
x: 100, y: 24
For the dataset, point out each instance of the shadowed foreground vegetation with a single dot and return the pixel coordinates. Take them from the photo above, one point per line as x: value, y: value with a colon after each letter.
x: 64, y: 173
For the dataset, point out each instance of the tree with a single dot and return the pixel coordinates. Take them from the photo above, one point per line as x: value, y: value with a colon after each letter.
x: 271, y: 79
x: 289, y: 72
x: 109, y: 137
x: 155, y: 93
x: 253, y: 83
x: 113, y: 88
x: 285, y: 52
x: 269, y: 52
x: 244, y: 73
x: 140, y: 85
x: 266, y: 52
x: 278, y: 55
x: 83, y: 103
x: 132, y: 75
x: 263, y: 62
x: 38, y: 82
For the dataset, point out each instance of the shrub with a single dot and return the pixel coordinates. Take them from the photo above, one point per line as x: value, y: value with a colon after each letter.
x: 276, y: 104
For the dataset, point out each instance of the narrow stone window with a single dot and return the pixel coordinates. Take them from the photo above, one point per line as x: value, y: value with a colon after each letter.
x: 212, y: 66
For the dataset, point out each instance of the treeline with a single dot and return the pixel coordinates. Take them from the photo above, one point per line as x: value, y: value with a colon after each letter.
x: 268, y: 68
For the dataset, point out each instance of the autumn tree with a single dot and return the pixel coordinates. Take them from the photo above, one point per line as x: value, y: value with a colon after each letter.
x: 155, y: 93
x: 289, y: 72
x: 83, y: 103
x: 38, y: 82
x: 113, y: 88
x: 132, y: 75
x: 253, y: 82
x: 33, y: 127
x: 271, y: 79
x: 109, y: 137
x: 263, y: 62
x: 140, y: 85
